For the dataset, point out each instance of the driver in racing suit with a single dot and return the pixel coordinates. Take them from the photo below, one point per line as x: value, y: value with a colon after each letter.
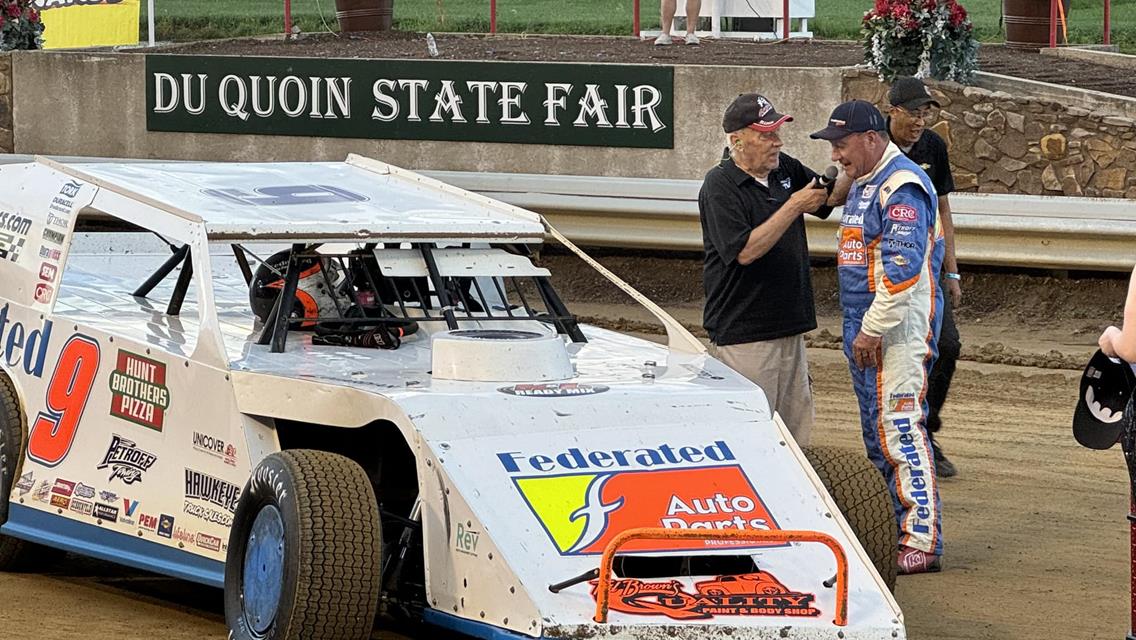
x: 889, y: 259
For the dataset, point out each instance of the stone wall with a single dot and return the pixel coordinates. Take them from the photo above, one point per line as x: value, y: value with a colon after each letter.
x: 7, y: 144
x: 1002, y: 143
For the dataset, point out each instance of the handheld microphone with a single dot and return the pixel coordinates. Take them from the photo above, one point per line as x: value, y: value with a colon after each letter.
x: 829, y: 177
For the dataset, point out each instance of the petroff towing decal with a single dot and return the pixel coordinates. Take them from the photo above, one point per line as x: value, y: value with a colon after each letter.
x: 584, y: 498
x: 126, y: 461
x: 138, y: 390
x: 750, y: 594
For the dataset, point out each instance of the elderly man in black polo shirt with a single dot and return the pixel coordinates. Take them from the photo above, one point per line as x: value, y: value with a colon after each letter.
x: 759, y: 294
x: 908, y: 116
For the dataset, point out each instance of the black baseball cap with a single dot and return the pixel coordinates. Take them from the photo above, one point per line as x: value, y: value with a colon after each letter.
x: 910, y: 93
x: 1106, y: 387
x: 754, y: 111
x: 854, y: 116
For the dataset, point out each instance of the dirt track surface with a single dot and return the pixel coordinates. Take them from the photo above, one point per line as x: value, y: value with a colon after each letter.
x: 515, y: 47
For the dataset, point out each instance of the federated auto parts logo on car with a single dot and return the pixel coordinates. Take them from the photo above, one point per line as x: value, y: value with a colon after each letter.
x: 583, y: 498
x: 553, y: 390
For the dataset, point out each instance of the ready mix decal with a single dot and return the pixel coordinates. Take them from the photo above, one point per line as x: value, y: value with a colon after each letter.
x: 582, y: 512
x: 138, y: 390
x: 749, y: 594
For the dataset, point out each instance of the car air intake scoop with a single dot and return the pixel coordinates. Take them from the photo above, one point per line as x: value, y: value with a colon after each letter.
x: 499, y: 355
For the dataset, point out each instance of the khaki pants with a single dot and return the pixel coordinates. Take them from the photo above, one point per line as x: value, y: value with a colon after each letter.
x: 781, y: 368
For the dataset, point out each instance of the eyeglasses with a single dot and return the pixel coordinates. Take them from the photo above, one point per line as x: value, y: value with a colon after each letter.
x: 926, y: 114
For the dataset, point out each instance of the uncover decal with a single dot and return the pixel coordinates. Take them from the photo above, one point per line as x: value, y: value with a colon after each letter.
x: 138, y: 390
x: 582, y: 512
x: 750, y: 594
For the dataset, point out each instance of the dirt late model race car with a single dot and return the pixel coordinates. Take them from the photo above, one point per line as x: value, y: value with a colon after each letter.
x: 340, y: 390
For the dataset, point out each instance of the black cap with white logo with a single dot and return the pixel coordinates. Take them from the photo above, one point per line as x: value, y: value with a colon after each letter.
x: 753, y: 111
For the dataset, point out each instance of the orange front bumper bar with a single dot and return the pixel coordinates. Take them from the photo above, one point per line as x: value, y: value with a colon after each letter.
x: 603, y: 590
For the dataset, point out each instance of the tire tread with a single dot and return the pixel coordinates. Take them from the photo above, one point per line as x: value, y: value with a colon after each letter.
x: 859, y: 491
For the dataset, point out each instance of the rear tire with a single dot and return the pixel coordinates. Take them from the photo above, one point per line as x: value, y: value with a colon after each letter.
x: 304, y: 551
x: 15, y: 554
x: 859, y: 491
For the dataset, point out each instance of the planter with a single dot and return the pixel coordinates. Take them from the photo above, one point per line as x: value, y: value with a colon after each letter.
x: 364, y: 15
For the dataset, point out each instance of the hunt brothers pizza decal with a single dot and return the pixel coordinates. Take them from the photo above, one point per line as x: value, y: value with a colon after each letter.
x: 138, y: 390
x: 751, y: 594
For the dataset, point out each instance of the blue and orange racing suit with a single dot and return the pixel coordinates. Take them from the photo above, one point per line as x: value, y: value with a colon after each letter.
x: 889, y: 259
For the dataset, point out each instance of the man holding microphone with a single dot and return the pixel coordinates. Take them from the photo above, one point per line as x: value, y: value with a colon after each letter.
x: 759, y: 295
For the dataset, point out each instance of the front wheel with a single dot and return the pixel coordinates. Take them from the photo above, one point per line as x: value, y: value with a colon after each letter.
x: 860, y: 492
x: 304, y: 551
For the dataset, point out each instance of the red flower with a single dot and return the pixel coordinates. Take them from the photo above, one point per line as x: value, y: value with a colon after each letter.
x: 881, y: 7
x: 957, y: 15
x: 900, y: 11
x: 13, y: 10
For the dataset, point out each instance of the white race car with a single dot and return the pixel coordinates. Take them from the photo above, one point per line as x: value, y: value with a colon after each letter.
x: 344, y: 389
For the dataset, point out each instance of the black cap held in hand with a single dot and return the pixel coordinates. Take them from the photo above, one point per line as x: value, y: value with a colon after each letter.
x: 910, y: 93
x: 753, y: 111
x: 854, y: 116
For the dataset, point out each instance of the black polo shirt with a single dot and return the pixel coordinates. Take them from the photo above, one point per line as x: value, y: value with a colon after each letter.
x: 772, y: 297
x: 930, y: 153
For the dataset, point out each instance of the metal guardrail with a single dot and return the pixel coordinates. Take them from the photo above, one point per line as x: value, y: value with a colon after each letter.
x: 990, y: 229
x: 652, y: 213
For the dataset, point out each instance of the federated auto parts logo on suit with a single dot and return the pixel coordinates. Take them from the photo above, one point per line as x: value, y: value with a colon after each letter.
x: 583, y: 498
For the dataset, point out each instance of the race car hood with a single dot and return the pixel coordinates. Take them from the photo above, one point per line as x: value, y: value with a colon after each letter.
x: 538, y: 505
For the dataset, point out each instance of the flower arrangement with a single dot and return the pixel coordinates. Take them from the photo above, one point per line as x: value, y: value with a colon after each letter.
x: 20, y: 25
x: 920, y: 37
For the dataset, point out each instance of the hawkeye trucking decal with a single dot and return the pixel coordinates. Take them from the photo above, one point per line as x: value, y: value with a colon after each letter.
x: 138, y: 390
x: 750, y: 594
x: 200, y: 487
x: 582, y: 499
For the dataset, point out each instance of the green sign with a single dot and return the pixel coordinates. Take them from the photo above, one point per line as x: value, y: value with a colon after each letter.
x: 528, y: 103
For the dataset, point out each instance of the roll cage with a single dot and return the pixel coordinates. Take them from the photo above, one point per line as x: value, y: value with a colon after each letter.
x: 387, y: 290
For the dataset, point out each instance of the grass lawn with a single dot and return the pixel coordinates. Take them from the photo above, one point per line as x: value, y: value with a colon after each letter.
x: 200, y: 19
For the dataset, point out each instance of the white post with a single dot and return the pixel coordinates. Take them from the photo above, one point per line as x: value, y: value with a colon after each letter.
x: 150, y: 19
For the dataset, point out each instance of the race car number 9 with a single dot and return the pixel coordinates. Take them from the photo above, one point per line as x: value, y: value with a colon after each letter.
x: 54, y: 429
